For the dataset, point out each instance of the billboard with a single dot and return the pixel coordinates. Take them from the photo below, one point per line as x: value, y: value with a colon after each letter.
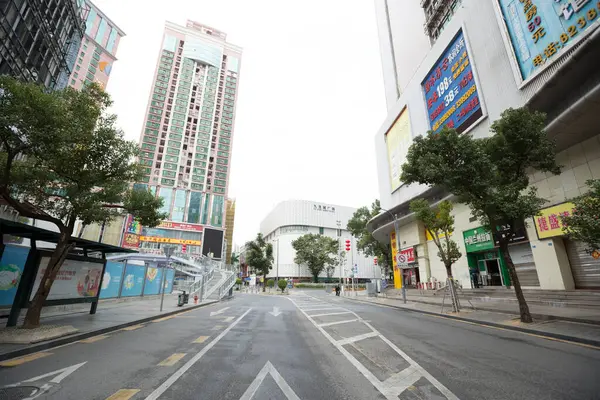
x: 156, y: 239
x: 112, y: 279
x: 75, y: 279
x: 213, y: 243
x: 169, y: 280
x: 397, y: 274
x: 398, y: 140
x: 133, y: 283
x: 450, y: 89
x: 540, y: 31
x: 179, y: 226
x: 548, y: 222
x: 153, y: 279
x: 131, y: 236
x: 12, y: 264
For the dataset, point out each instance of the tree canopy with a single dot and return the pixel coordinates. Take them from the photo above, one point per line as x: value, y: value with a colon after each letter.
x: 315, y: 251
x: 584, y: 223
x: 365, y: 242
x: 259, y: 255
x: 490, y: 175
x: 63, y: 159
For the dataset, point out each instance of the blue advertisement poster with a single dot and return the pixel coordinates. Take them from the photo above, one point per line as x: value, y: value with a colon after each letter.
x: 134, y: 280
x: 153, y: 279
x: 450, y: 89
x: 112, y: 279
x: 169, y: 282
x: 541, y: 30
x: 12, y: 264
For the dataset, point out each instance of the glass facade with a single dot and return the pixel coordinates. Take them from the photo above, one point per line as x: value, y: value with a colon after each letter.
x: 194, y: 207
x: 178, y: 206
x: 166, y: 194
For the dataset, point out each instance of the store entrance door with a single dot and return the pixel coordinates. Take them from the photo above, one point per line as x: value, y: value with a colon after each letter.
x: 493, y: 272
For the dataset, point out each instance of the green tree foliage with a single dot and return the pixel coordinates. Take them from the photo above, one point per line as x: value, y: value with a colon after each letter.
x: 315, y: 251
x: 584, y: 223
x: 365, y: 242
x: 282, y: 284
x: 439, y: 222
x: 259, y: 255
x: 271, y: 283
x: 63, y: 159
x: 235, y: 258
x: 490, y: 175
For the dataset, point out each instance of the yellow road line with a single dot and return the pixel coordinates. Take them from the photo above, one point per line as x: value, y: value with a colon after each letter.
x: 217, y: 327
x: 123, y: 394
x: 171, y: 360
x: 201, y: 339
x: 94, y: 339
x: 228, y: 319
x: 164, y: 318
x: 134, y: 327
x: 22, y: 360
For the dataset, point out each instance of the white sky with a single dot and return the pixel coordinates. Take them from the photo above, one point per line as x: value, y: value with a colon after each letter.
x: 310, y: 98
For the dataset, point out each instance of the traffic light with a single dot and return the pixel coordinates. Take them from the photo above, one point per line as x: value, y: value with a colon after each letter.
x: 375, y: 260
x: 347, y: 244
x: 183, y: 248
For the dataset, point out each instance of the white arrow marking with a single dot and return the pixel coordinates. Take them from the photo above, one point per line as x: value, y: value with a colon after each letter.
x: 269, y: 369
x: 60, y: 375
x: 275, y: 312
x: 221, y: 311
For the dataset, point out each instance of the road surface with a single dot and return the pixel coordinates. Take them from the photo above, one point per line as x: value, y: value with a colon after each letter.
x: 306, y: 345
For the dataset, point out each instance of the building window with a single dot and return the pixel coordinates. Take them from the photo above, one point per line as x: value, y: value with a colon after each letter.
x: 73, y: 81
x: 321, y: 230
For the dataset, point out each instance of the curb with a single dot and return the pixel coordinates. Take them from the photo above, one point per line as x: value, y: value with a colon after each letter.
x: 547, y: 335
x: 84, y: 335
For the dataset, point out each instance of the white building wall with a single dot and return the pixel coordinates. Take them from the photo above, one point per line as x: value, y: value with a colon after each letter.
x: 302, y: 213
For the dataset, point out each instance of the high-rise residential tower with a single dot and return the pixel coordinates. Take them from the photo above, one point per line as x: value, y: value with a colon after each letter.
x: 187, y: 136
x: 229, y: 226
x: 98, y: 49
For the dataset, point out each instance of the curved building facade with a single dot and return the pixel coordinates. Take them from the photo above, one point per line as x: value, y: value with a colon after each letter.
x: 293, y: 218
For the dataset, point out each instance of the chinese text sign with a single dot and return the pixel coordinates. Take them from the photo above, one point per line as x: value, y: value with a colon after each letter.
x: 398, y: 140
x: 450, y: 89
x: 541, y: 30
x: 548, y: 224
x: 478, y: 239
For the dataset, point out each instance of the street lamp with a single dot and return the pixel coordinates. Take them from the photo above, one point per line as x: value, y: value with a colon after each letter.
x: 402, y: 287
x: 168, y: 250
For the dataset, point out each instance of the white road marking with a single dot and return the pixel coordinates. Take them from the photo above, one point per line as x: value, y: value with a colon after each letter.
x: 60, y: 375
x: 357, y: 338
x: 173, y: 378
x: 275, y: 311
x: 221, y: 311
x: 228, y: 319
x: 339, y: 322
x: 321, y: 309
x: 269, y: 369
x: 398, y: 383
x: 331, y: 313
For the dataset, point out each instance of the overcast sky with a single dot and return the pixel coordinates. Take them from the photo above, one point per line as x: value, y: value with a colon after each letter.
x: 310, y: 98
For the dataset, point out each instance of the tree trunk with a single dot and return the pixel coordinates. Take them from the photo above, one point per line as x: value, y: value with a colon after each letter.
x: 449, y: 271
x: 32, y: 318
x: 316, y: 278
x: 523, y: 307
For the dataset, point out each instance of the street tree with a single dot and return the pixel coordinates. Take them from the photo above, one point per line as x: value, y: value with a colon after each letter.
x: 315, y: 251
x: 259, y: 255
x: 282, y: 284
x: 63, y: 159
x: 365, y: 242
x: 439, y: 222
x: 490, y: 175
x: 584, y: 222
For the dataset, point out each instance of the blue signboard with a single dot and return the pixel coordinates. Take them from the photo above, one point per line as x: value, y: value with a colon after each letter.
x: 12, y: 264
x: 112, y: 279
x: 134, y: 280
x: 153, y: 279
x: 169, y: 283
x: 542, y: 30
x: 450, y: 89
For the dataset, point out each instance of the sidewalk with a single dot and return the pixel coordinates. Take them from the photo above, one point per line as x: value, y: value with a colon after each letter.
x: 109, y: 317
x: 557, y: 323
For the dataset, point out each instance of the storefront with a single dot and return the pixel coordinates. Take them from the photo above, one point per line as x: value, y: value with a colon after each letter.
x: 406, y: 266
x: 486, y: 265
x: 585, y: 265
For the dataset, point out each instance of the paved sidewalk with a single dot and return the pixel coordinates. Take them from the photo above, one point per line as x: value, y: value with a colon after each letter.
x: 108, y: 317
x: 573, y: 314
x: 555, y: 328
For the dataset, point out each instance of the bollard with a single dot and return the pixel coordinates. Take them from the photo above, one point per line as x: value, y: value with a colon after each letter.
x: 195, y: 299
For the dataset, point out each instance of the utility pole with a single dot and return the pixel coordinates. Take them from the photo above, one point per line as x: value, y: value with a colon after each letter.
x: 277, y: 272
x: 397, y: 233
x: 168, y: 252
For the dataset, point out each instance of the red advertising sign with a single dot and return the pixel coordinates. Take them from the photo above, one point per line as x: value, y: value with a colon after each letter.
x: 406, y: 256
x: 131, y: 236
x: 180, y: 226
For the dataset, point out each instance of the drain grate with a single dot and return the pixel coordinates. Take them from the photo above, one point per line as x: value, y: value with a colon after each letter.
x: 17, y: 393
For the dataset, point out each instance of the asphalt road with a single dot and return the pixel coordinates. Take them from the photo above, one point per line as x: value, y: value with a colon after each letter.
x: 307, y: 346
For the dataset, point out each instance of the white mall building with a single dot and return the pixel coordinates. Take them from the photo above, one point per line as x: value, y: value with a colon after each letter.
x: 293, y: 218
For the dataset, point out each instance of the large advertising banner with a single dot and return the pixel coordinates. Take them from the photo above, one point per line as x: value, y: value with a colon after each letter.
x: 169, y: 280
x: 12, y: 264
x: 541, y: 30
x: 153, y: 279
x: 398, y: 140
x: 549, y: 221
x: 131, y: 236
x: 112, y: 279
x: 133, y: 283
x: 397, y: 274
x: 75, y: 279
x: 450, y: 89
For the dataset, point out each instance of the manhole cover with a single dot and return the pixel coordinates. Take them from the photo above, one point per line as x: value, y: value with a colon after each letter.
x: 17, y: 393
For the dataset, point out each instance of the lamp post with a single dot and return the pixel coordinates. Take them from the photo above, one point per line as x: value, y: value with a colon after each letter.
x: 402, y: 286
x: 168, y: 250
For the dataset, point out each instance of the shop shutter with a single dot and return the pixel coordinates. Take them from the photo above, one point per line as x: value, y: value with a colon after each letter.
x: 522, y: 257
x: 585, y: 268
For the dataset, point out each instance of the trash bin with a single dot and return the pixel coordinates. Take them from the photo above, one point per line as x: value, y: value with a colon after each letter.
x: 180, y: 300
x: 186, y: 298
